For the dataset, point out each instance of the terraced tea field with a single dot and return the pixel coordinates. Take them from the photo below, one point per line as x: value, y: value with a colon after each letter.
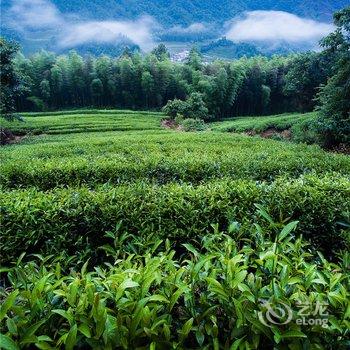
x: 83, y: 121
x: 181, y: 232
x: 279, y: 122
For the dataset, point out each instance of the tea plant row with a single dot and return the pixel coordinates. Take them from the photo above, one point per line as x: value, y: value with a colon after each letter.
x: 219, y: 297
x: 74, y: 218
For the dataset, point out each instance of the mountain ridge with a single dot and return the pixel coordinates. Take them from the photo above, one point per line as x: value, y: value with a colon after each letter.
x: 175, y: 20
x: 185, y: 12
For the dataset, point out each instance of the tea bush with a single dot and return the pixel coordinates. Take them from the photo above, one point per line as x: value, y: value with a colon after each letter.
x: 301, y: 126
x: 278, y: 122
x: 191, y: 124
x: 147, y: 241
x: 73, y: 218
x: 159, y: 156
x: 216, y: 297
x: 82, y: 121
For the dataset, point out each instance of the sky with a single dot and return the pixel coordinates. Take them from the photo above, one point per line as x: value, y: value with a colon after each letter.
x: 26, y: 16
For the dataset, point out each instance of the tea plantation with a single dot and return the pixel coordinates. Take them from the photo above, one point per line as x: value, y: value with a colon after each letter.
x: 117, y: 233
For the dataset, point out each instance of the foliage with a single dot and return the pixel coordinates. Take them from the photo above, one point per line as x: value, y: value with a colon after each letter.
x: 37, y: 104
x: 74, y: 218
x: 81, y: 121
x: 248, y: 86
x: 252, y: 86
x: 306, y: 131
x: 161, y: 52
x: 301, y: 126
x: 191, y: 124
x: 141, y: 150
x: 194, y: 107
x: 209, y: 298
x: 115, y: 183
x: 334, y: 97
x: 305, y: 74
x: 10, y: 81
x: 174, y: 108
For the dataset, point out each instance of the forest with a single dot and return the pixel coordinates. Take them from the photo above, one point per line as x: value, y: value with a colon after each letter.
x: 253, y: 86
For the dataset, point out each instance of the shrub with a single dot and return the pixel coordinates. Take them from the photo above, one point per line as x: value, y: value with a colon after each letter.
x: 38, y: 104
x: 197, y: 108
x: 193, y: 124
x: 216, y: 297
x: 179, y: 119
x: 193, y: 107
x: 305, y: 131
x: 175, y: 107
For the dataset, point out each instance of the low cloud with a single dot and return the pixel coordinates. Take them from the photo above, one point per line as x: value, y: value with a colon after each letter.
x: 194, y: 28
x: 70, y: 30
x: 32, y: 15
x: 276, y: 26
x: 139, y: 32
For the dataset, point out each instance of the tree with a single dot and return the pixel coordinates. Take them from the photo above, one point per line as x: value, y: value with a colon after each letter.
x: 248, y: 86
x: 333, y: 123
x: 9, y: 78
x: 196, y: 108
x: 194, y: 59
x: 127, y: 53
x: 161, y: 52
x: 97, y: 90
x: 175, y: 107
x: 265, y: 96
x: 103, y: 71
x: 147, y: 83
x: 306, y: 72
x: 45, y: 90
x: 76, y: 81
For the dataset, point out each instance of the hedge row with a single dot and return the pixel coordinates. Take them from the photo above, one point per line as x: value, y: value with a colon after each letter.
x: 77, y: 171
x: 75, y: 218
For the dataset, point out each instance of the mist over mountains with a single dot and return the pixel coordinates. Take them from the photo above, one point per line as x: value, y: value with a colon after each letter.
x: 225, y: 29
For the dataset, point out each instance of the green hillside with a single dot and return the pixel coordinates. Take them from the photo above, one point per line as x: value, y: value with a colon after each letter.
x: 108, y: 218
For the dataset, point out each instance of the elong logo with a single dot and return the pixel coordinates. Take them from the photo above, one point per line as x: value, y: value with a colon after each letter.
x: 279, y: 313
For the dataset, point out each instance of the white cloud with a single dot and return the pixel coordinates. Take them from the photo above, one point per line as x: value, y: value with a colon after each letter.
x: 194, y: 28
x: 29, y: 15
x: 276, y: 26
x: 139, y: 32
x: 34, y: 14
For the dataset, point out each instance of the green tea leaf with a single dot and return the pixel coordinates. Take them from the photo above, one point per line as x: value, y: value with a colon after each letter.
x: 71, y: 338
x: 8, y: 303
x: 7, y: 343
x: 287, y: 230
x: 293, y: 334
